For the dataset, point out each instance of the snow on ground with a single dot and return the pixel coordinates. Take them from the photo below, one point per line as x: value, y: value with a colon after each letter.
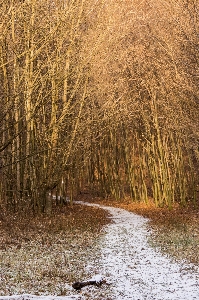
x: 133, y: 270
x: 138, y: 272
x: 34, y: 297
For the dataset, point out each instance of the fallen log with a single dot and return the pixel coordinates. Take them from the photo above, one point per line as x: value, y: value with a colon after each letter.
x: 98, y: 280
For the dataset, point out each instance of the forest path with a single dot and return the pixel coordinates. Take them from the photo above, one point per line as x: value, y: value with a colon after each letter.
x: 135, y: 270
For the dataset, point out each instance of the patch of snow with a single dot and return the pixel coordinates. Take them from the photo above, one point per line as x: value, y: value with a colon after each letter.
x: 35, y: 297
x: 137, y: 271
x: 98, y: 278
x: 133, y: 269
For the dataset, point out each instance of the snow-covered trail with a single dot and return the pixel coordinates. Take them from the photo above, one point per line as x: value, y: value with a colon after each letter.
x: 134, y: 270
x: 137, y: 271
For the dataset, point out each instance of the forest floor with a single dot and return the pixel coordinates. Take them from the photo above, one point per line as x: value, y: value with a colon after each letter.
x: 175, y: 232
x: 45, y: 255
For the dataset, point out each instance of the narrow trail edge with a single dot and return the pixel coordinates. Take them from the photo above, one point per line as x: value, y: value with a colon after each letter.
x: 134, y: 269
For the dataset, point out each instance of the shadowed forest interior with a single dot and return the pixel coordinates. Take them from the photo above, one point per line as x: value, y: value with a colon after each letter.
x: 100, y: 96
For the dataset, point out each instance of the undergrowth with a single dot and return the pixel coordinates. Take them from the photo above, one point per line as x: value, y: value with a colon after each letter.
x: 45, y: 255
x: 175, y: 231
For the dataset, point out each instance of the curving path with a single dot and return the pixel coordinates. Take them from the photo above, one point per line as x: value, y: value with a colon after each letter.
x: 134, y: 270
x: 137, y: 271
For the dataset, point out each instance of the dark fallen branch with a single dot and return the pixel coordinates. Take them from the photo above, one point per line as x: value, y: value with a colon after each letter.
x: 79, y: 285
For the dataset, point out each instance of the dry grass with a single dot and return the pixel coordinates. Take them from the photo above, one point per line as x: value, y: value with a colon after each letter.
x: 45, y: 255
x: 175, y: 232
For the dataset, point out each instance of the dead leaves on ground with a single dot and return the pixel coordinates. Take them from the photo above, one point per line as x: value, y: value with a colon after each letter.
x: 46, y: 254
x: 17, y: 228
x: 175, y: 232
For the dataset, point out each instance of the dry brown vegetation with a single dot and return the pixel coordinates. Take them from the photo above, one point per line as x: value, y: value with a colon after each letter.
x: 46, y: 255
x: 98, y: 94
x: 175, y: 233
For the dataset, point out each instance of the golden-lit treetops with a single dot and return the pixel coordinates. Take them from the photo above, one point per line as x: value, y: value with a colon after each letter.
x: 98, y: 93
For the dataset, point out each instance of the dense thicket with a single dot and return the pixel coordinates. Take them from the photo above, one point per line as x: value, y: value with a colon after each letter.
x: 100, y: 94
